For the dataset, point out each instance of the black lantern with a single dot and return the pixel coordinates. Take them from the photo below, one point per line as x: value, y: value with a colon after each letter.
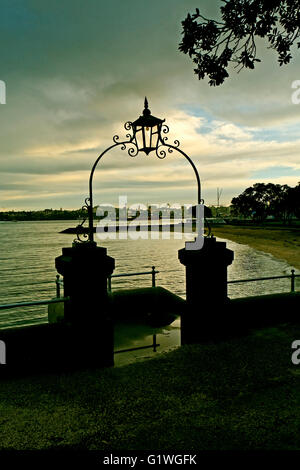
x: 146, y: 131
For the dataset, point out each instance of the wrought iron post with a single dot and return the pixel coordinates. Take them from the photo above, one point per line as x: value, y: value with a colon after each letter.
x: 293, y: 281
x: 147, y: 136
x: 153, y: 276
x: 57, y: 286
x: 154, y: 342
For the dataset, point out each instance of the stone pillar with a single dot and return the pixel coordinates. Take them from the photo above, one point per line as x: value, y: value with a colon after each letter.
x: 85, y: 268
x: 206, y: 289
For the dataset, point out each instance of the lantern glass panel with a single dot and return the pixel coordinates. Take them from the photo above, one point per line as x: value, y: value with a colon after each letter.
x: 154, y: 137
x: 147, y: 136
x: 139, y: 137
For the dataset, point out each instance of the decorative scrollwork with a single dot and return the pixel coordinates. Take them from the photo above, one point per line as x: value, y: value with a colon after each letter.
x: 79, y: 227
x: 209, y: 233
x: 171, y: 148
x: 160, y: 153
x: 133, y: 151
x: 164, y: 139
x: 128, y: 125
x: 86, y: 204
x: 116, y: 139
x: 165, y: 129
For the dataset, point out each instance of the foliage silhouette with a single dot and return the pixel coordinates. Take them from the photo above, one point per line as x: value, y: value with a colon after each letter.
x: 262, y: 200
x: 213, y: 45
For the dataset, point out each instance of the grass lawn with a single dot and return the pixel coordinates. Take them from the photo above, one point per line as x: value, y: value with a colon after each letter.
x: 240, y: 394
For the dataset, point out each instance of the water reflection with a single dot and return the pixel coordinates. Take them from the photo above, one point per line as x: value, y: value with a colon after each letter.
x: 133, y: 335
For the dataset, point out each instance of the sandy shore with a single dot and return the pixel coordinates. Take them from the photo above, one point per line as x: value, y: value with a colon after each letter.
x: 283, y: 242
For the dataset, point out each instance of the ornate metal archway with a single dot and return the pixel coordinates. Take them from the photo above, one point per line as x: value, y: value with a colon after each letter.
x: 148, y: 135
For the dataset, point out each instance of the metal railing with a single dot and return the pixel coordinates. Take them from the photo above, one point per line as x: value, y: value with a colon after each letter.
x: 59, y: 282
x: 152, y: 272
x: 291, y: 276
x: 35, y: 302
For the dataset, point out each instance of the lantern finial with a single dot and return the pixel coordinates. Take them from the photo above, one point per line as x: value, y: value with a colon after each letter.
x: 146, y: 111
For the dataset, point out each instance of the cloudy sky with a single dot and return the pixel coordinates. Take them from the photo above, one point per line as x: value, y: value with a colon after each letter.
x: 77, y: 70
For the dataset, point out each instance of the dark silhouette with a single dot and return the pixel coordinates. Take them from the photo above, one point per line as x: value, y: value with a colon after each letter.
x: 213, y: 45
x: 262, y: 200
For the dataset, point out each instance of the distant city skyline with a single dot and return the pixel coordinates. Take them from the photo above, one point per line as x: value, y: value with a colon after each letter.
x: 75, y: 72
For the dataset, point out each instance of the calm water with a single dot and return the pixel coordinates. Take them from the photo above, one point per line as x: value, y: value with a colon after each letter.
x: 27, y: 272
